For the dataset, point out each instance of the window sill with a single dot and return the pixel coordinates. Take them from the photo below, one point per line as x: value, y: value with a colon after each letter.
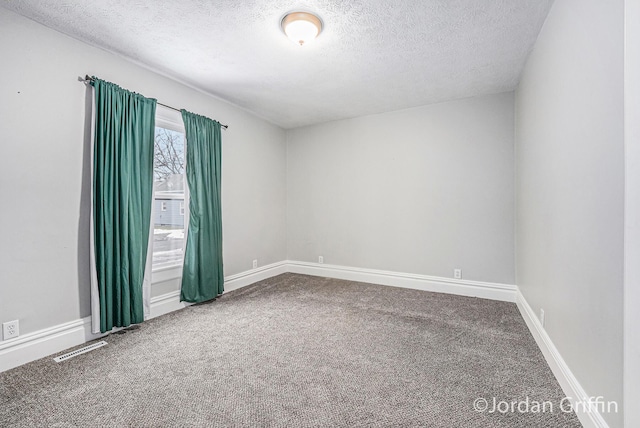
x: 166, y: 273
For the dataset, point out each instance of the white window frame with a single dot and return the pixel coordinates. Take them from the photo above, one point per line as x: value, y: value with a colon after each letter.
x: 170, y: 119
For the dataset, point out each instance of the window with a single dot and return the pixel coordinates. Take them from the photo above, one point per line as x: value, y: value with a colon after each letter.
x: 169, y: 189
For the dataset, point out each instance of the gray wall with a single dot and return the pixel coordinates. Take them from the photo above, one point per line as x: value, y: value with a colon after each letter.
x: 44, y: 171
x: 632, y: 214
x: 570, y: 166
x: 423, y: 190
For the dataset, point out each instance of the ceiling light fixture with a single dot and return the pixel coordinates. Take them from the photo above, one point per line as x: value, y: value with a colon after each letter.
x: 301, y: 27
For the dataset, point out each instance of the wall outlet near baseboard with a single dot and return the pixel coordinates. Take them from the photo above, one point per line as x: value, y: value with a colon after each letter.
x: 457, y: 273
x: 542, y: 317
x: 10, y: 330
x: 320, y: 259
x: 255, y: 264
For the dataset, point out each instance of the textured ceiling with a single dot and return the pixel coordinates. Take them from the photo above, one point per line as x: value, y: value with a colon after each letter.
x: 372, y: 56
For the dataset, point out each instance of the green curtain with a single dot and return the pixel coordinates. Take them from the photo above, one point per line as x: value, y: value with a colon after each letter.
x: 122, y: 197
x: 202, y: 275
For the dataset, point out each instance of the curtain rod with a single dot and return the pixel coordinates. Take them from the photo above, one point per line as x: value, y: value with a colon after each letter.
x: 88, y: 79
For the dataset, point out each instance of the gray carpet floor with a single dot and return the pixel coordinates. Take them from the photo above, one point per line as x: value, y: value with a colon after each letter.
x: 299, y: 351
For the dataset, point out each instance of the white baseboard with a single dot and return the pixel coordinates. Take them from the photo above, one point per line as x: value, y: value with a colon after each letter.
x: 570, y: 385
x: 44, y: 342
x: 48, y: 341
x: 461, y: 287
x: 242, y: 279
x: 170, y: 302
x: 166, y: 303
x: 33, y: 346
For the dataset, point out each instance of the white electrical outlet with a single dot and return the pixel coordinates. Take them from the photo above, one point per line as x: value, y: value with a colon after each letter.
x: 10, y: 330
x: 320, y: 259
x: 542, y: 317
x: 457, y: 273
x: 255, y: 264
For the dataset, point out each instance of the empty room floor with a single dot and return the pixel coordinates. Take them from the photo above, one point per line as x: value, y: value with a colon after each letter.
x: 297, y: 350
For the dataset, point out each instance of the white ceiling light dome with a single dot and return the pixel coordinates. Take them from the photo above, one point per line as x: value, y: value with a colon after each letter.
x: 301, y: 27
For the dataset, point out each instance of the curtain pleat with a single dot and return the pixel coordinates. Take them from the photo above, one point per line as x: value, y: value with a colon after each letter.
x: 122, y: 197
x: 202, y: 275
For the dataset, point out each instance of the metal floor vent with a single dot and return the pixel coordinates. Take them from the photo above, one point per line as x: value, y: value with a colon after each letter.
x: 79, y: 351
